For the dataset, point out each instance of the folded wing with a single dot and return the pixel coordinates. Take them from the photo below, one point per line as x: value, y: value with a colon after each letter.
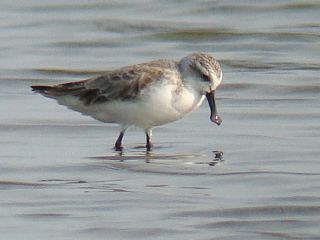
x: 123, y: 84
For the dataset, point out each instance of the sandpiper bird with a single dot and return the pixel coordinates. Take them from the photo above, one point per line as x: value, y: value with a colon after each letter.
x: 143, y: 95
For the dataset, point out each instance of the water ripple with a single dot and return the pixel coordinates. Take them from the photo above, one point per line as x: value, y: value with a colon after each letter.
x: 248, y: 212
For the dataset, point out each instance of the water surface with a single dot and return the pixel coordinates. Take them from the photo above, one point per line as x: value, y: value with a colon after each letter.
x: 60, y: 178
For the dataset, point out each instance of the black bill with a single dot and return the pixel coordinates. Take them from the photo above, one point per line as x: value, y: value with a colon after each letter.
x: 214, y: 117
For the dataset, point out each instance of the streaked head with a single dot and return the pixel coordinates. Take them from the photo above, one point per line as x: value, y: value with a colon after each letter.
x: 204, y: 70
x: 204, y: 74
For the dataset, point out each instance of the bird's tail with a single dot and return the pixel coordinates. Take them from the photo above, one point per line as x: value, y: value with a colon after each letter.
x: 41, y: 89
x: 72, y: 88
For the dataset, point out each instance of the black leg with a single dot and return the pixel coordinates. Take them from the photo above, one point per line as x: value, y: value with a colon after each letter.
x: 118, y: 144
x: 149, y: 144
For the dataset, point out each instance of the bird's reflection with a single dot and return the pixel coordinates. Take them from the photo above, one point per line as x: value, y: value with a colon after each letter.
x: 146, y: 155
x: 218, y: 157
x: 149, y: 156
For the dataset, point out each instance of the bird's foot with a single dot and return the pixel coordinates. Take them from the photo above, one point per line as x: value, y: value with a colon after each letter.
x: 118, y: 148
x: 149, y: 146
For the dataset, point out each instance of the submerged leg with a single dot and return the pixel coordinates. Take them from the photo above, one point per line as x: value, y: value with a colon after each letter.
x: 118, y: 144
x: 149, y: 144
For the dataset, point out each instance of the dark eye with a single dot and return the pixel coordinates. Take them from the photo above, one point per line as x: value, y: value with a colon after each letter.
x: 205, y: 78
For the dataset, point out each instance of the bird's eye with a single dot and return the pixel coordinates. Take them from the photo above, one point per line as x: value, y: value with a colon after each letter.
x: 205, y: 78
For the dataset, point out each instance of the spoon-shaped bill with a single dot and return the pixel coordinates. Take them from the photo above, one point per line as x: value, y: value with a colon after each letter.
x: 214, y: 117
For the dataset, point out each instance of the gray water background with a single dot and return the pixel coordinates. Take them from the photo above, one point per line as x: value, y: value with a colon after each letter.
x: 60, y: 178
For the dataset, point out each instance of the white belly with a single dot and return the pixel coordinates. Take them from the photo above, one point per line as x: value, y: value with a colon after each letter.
x: 158, y: 106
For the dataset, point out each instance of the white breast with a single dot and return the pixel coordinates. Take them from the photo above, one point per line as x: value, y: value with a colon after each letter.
x: 159, y: 105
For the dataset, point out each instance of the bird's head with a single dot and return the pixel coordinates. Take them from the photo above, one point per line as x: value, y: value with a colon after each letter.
x: 204, y: 74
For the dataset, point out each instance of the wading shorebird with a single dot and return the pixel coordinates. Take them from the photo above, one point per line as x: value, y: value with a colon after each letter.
x: 143, y: 95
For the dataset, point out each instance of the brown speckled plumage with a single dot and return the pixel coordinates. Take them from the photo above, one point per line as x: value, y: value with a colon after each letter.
x: 144, y: 95
x: 205, y: 61
x: 122, y: 84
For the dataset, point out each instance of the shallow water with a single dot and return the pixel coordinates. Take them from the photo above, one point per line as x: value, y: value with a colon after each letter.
x: 60, y: 178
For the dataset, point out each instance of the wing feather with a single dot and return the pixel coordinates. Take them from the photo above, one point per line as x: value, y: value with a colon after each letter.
x: 123, y: 84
